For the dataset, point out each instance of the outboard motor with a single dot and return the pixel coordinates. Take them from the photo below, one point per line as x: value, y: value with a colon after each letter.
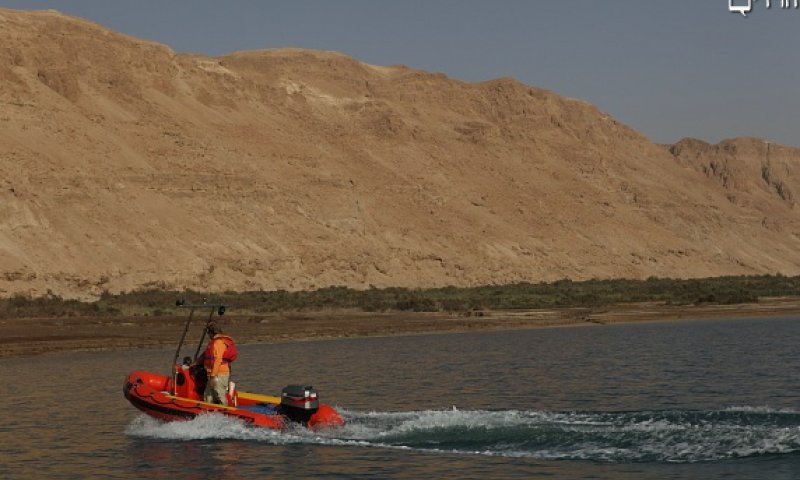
x: 299, y: 402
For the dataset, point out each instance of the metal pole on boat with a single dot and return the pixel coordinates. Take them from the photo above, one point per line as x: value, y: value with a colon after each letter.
x: 218, y: 308
x: 203, y: 336
x: 180, y: 303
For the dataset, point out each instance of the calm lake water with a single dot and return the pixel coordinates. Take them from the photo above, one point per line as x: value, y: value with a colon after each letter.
x: 684, y: 400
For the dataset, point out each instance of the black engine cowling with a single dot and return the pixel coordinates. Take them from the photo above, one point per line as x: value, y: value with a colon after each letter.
x: 299, y: 402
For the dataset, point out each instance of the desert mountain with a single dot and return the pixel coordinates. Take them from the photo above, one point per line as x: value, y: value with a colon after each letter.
x: 125, y: 165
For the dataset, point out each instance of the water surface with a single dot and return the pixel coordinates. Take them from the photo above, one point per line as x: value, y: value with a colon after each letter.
x: 704, y: 399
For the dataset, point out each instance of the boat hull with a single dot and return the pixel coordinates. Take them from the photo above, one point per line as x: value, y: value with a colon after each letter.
x: 152, y: 394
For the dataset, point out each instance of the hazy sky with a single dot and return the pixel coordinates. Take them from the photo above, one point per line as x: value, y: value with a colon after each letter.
x: 667, y: 68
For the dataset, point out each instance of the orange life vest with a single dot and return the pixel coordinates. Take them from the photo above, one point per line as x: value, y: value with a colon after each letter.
x: 230, y: 355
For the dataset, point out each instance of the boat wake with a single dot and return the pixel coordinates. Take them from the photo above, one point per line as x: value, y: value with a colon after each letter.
x: 676, y: 436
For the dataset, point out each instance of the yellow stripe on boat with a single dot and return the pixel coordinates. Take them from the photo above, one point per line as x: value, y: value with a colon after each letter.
x: 200, y: 402
x: 242, y: 395
x: 259, y: 398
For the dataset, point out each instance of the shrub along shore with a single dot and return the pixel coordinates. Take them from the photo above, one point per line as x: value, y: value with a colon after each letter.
x: 149, y: 319
x: 559, y: 294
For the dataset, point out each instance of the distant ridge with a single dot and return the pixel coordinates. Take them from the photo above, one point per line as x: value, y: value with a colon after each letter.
x: 124, y: 165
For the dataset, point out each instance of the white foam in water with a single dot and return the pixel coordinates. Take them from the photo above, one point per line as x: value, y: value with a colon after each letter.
x: 416, y: 422
x: 220, y: 427
x: 763, y: 409
x: 201, y: 428
x: 670, y: 436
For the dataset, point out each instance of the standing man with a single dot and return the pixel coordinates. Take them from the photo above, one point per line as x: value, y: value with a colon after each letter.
x: 219, y: 354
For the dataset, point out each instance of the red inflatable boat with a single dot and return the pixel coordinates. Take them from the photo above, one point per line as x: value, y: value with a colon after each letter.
x: 153, y: 394
x: 180, y: 397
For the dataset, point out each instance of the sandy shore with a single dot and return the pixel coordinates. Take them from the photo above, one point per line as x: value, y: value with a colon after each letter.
x: 32, y: 336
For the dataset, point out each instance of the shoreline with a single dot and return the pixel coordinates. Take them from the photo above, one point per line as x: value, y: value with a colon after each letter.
x: 21, y: 337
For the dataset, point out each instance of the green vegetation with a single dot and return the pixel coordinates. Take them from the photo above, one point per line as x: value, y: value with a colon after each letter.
x: 562, y: 293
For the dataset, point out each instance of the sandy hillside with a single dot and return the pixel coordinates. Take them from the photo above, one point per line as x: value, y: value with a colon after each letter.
x: 126, y: 165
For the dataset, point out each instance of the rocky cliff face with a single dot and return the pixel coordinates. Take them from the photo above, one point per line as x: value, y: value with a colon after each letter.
x: 124, y: 165
x: 745, y: 166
